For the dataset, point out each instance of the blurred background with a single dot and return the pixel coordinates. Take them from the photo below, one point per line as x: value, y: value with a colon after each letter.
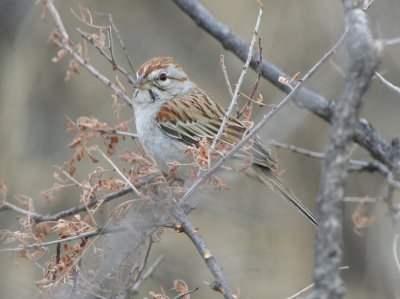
x: 265, y: 247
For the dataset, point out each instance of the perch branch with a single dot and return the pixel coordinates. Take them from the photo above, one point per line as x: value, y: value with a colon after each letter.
x: 221, y: 284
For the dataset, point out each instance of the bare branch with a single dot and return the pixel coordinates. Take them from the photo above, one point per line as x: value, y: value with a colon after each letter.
x: 240, y: 80
x: 82, y: 207
x: 301, y: 292
x: 135, y: 288
x: 221, y: 284
x: 387, y: 83
x: 121, y: 42
x: 395, y: 252
x: 391, y: 42
x: 355, y: 165
x: 65, y: 44
x: 310, y: 286
x: 225, y: 72
x: 4, y: 206
x: 110, y: 57
x: 265, y: 119
x: 362, y: 52
x: 362, y: 199
x: 91, y: 234
x: 255, y: 85
x: 186, y: 293
x: 364, y: 133
x: 128, y: 182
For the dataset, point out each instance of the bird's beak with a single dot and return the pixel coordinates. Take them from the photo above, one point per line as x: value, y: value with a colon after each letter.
x: 139, y: 82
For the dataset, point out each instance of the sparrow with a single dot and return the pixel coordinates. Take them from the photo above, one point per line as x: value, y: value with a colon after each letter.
x: 172, y: 115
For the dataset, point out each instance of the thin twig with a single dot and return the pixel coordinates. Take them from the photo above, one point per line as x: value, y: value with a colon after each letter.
x: 388, y: 84
x: 301, y: 292
x: 146, y: 275
x: 255, y: 85
x: 127, y: 289
x: 110, y: 57
x: 367, y: 4
x: 96, y: 200
x: 310, y: 286
x: 57, y: 19
x: 119, y: 172
x: 395, y: 252
x: 64, y: 44
x: 91, y: 234
x: 120, y: 40
x: 83, y: 206
x: 75, y: 281
x: 391, y: 42
x: 121, y: 133
x: 186, y: 293
x: 225, y: 72
x: 362, y: 199
x: 240, y: 80
x: 356, y: 165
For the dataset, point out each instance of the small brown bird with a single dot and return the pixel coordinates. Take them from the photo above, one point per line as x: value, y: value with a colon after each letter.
x: 172, y: 113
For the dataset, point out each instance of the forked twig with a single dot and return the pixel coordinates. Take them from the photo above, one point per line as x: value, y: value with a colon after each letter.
x: 255, y: 85
x: 65, y: 44
x: 110, y: 57
x: 120, y: 40
x: 134, y: 289
x: 240, y: 80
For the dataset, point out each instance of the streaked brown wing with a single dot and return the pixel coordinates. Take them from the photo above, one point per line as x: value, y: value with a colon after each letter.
x: 196, y: 115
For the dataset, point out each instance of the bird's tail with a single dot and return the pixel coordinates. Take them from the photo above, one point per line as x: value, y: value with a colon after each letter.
x: 272, y: 181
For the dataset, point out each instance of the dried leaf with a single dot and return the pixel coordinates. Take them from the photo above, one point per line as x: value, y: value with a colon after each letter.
x: 24, y: 253
x: 43, y: 229
x: 360, y: 217
x: 181, y: 287
x: 3, y: 189
x: 283, y: 80
x: 120, y: 210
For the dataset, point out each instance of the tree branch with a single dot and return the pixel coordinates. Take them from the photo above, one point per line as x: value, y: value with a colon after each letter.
x: 90, y: 234
x: 82, y: 207
x: 265, y: 119
x: 220, y: 285
x: 362, y: 53
x: 364, y: 134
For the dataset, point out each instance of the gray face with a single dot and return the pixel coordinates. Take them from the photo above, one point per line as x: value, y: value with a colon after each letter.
x: 160, y: 84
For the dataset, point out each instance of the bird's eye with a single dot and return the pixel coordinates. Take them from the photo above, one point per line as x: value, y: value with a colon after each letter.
x: 163, y: 77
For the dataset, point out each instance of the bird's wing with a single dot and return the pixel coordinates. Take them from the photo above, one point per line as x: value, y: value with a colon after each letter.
x: 196, y: 115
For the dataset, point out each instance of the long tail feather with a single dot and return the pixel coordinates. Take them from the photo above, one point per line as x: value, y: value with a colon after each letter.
x: 272, y: 181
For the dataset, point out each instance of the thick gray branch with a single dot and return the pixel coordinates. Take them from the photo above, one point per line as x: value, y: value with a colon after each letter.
x: 220, y: 285
x: 363, y: 132
x: 362, y: 55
